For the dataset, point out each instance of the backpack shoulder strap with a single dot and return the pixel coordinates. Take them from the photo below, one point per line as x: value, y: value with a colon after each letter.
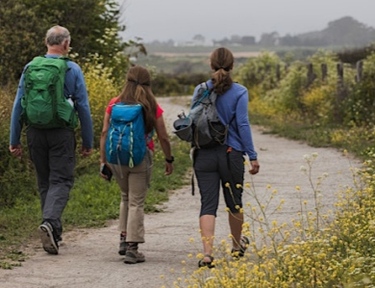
x: 66, y: 58
x: 39, y: 58
x: 203, y: 93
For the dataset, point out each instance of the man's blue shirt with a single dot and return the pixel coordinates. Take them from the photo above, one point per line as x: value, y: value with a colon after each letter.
x: 76, y: 88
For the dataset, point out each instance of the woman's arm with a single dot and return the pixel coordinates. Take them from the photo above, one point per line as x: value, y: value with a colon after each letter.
x: 163, y: 137
x: 103, y: 138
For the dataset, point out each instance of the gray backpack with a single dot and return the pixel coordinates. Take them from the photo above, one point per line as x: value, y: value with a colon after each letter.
x: 202, y: 127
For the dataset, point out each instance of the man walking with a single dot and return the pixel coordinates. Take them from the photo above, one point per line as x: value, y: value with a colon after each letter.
x: 52, y: 150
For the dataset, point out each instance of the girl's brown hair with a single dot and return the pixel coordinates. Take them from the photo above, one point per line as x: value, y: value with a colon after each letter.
x: 137, y: 90
x: 222, y: 63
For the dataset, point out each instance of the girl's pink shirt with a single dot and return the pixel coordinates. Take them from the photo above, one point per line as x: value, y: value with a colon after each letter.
x: 159, y: 113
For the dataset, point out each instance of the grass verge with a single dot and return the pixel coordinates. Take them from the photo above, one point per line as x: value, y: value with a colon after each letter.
x: 359, y: 141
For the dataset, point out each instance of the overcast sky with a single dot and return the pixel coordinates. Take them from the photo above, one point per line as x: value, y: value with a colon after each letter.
x: 181, y: 20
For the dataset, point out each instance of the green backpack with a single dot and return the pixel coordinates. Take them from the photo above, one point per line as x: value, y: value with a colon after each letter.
x: 44, y: 104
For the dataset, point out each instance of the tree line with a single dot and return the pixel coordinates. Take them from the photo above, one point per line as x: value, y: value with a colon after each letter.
x: 94, y: 26
x: 345, y: 31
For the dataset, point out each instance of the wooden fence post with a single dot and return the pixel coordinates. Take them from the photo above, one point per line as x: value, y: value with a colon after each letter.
x: 340, y: 74
x: 359, y: 69
x: 278, y: 73
x: 340, y: 92
x: 324, y: 69
x: 310, y: 74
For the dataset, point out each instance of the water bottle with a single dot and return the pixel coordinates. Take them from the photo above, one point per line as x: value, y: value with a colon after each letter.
x: 182, y: 115
x: 70, y: 101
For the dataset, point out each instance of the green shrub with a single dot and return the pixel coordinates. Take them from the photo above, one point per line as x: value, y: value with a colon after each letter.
x: 360, y: 106
x: 17, y: 179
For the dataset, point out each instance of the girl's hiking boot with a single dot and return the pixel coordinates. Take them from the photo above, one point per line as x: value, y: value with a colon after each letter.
x: 132, y: 255
x: 123, y: 245
x: 48, y: 238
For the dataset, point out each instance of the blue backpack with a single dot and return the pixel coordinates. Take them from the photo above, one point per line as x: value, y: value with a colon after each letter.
x: 126, y: 140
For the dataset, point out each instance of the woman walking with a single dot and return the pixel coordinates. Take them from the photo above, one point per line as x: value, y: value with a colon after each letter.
x: 224, y: 164
x: 134, y: 181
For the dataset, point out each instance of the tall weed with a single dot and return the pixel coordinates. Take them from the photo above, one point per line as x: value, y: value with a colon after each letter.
x: 318, y: 249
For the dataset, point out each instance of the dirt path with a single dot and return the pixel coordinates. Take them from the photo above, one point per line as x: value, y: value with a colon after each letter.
x: 88, y: 258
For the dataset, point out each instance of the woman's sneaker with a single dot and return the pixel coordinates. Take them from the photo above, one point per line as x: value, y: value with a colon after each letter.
x: 48, y: 239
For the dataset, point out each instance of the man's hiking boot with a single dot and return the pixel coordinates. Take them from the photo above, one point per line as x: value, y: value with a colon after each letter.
x: 132, y: 255
x: 244, y: 243
x: 48, y: 239
x: 123, y: 245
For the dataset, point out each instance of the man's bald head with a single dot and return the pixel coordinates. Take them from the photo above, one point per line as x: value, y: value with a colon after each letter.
x: 57, y: 35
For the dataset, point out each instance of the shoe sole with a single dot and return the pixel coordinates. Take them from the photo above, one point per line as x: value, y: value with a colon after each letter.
x: 48, y: 242
x: 133, y: 261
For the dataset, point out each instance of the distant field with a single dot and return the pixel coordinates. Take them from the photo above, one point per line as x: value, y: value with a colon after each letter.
x: 177, y: 63
x: 164, y: 50
x: 195, y: 59
x: 243, y: 54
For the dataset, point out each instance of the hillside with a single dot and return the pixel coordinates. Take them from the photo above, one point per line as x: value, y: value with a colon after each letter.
x: 343, y: 32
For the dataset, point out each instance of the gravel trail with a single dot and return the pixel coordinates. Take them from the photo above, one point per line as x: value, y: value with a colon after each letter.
x: 88, y: 257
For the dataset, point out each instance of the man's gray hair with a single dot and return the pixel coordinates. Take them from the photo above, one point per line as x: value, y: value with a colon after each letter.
x: 56, y: 35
